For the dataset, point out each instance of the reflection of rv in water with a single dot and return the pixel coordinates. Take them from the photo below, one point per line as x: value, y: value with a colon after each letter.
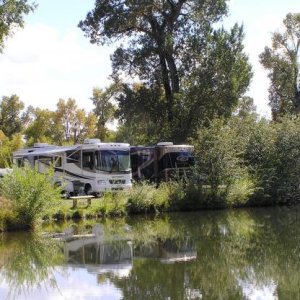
x: 116, y: 255
x: 99, y: 256
x: 161, y: 162
x: 92, y: 167
x: 168, y: 251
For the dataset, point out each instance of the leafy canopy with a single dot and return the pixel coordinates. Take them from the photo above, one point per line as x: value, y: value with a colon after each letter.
x: 11, y: 16
x: 282, y: 62
x: 168, y: 47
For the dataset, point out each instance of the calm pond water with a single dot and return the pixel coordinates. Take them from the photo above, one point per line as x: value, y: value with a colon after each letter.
x: 239, y: 254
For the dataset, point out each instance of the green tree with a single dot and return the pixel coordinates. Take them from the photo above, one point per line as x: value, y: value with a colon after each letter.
x: 282, y: 62
x: 71, y: 124
x: 246, y: 107
x: 11, y: 115
x: 84, y: 126
x: 104, y: 108
x: 172, y: 44
x: 215, y: 85
x: 141, y: 115
x: 40, y: 129
x: 11, y: 15
x: 65, y: 116
x: 7, y: 146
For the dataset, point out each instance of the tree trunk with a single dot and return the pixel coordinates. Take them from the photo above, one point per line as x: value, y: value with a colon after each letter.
x: 173, y: 72
x: 167, y: 87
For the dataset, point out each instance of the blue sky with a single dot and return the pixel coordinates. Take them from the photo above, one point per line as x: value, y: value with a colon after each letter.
x: 50, y: 58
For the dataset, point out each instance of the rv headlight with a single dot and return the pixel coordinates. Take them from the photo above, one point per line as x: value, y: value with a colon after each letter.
x: 101, y: 181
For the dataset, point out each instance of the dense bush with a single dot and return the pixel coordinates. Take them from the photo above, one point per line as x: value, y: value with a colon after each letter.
x: 29, y: 194
x: 257, y: 161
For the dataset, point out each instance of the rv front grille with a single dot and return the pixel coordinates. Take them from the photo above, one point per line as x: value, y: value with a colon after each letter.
x: 117, y: 181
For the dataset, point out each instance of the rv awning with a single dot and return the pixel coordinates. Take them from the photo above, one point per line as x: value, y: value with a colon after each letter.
x: 47, y: 151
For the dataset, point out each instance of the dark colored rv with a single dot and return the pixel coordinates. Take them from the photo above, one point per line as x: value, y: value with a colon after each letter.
x: 162, y: 162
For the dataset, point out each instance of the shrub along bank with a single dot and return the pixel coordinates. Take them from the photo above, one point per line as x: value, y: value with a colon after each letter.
x: 258, y: 162
x: 25, y: 196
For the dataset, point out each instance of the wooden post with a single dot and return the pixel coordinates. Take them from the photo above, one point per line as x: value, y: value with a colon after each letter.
x: 74, y: 203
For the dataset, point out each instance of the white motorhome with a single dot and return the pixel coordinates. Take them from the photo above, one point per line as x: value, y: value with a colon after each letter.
x: 92, y: 167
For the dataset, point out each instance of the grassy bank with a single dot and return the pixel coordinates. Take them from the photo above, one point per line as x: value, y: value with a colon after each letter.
x: 28, y: 197
x: 145, y: 198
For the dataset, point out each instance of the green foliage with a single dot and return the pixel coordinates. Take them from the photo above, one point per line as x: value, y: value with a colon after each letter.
x: 71, y: 124
x: 240, y: 191
x: 221, y: 150
x: 282, y: 62
x: 214, y: 87
x: 253, y: 162
x: 11, y: 16
x: 6, y: 213
x: 40, y: 129
x: 188, y: 70
x: 286, y: 161
x: 145, y: 197
x: 217, y: 150
x: 111, y: 204
x: 28, y: 261
x: 141, y: 197
x: 67, y: 125
x: 31, y: 194
x: 11, y: 121
x: 142, y: 115
x: 104, y: 108
x: 7, y: 146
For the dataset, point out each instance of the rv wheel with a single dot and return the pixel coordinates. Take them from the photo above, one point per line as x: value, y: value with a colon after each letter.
x: 88, y: 189
x: 65, y: 194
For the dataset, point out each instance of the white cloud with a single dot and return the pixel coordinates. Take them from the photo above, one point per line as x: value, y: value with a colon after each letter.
x: 260, y: 20
x: 79, y: 285
x: 41, y: 66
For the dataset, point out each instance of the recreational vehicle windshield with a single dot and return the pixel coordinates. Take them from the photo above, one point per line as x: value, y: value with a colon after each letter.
x: 92, y: 167
x: 164, y: 161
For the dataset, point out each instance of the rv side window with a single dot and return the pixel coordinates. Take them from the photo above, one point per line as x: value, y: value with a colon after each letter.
x: 88, y: 160
x: 73, y: 157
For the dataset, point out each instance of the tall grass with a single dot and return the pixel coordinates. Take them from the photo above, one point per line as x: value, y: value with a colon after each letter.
x: 240, y: 191
x: 111, y: 204
x: 144, y: 197
x: 28, y: 195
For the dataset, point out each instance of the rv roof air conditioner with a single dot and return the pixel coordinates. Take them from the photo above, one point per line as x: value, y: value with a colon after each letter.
x: 91, y: 141
x: 165, y: 144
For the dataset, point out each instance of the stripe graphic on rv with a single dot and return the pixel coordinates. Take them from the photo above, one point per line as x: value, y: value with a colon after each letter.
x: 73, y: 174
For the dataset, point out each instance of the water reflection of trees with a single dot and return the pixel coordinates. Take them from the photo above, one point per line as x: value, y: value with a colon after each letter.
x: 27, y: 262
x: 257, y: 248
x: 208, y: 255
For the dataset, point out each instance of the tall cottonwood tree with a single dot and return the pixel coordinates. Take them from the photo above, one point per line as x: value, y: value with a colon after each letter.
x: 11, y: 16
x: 282, y: 62
x: 163, y: 42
